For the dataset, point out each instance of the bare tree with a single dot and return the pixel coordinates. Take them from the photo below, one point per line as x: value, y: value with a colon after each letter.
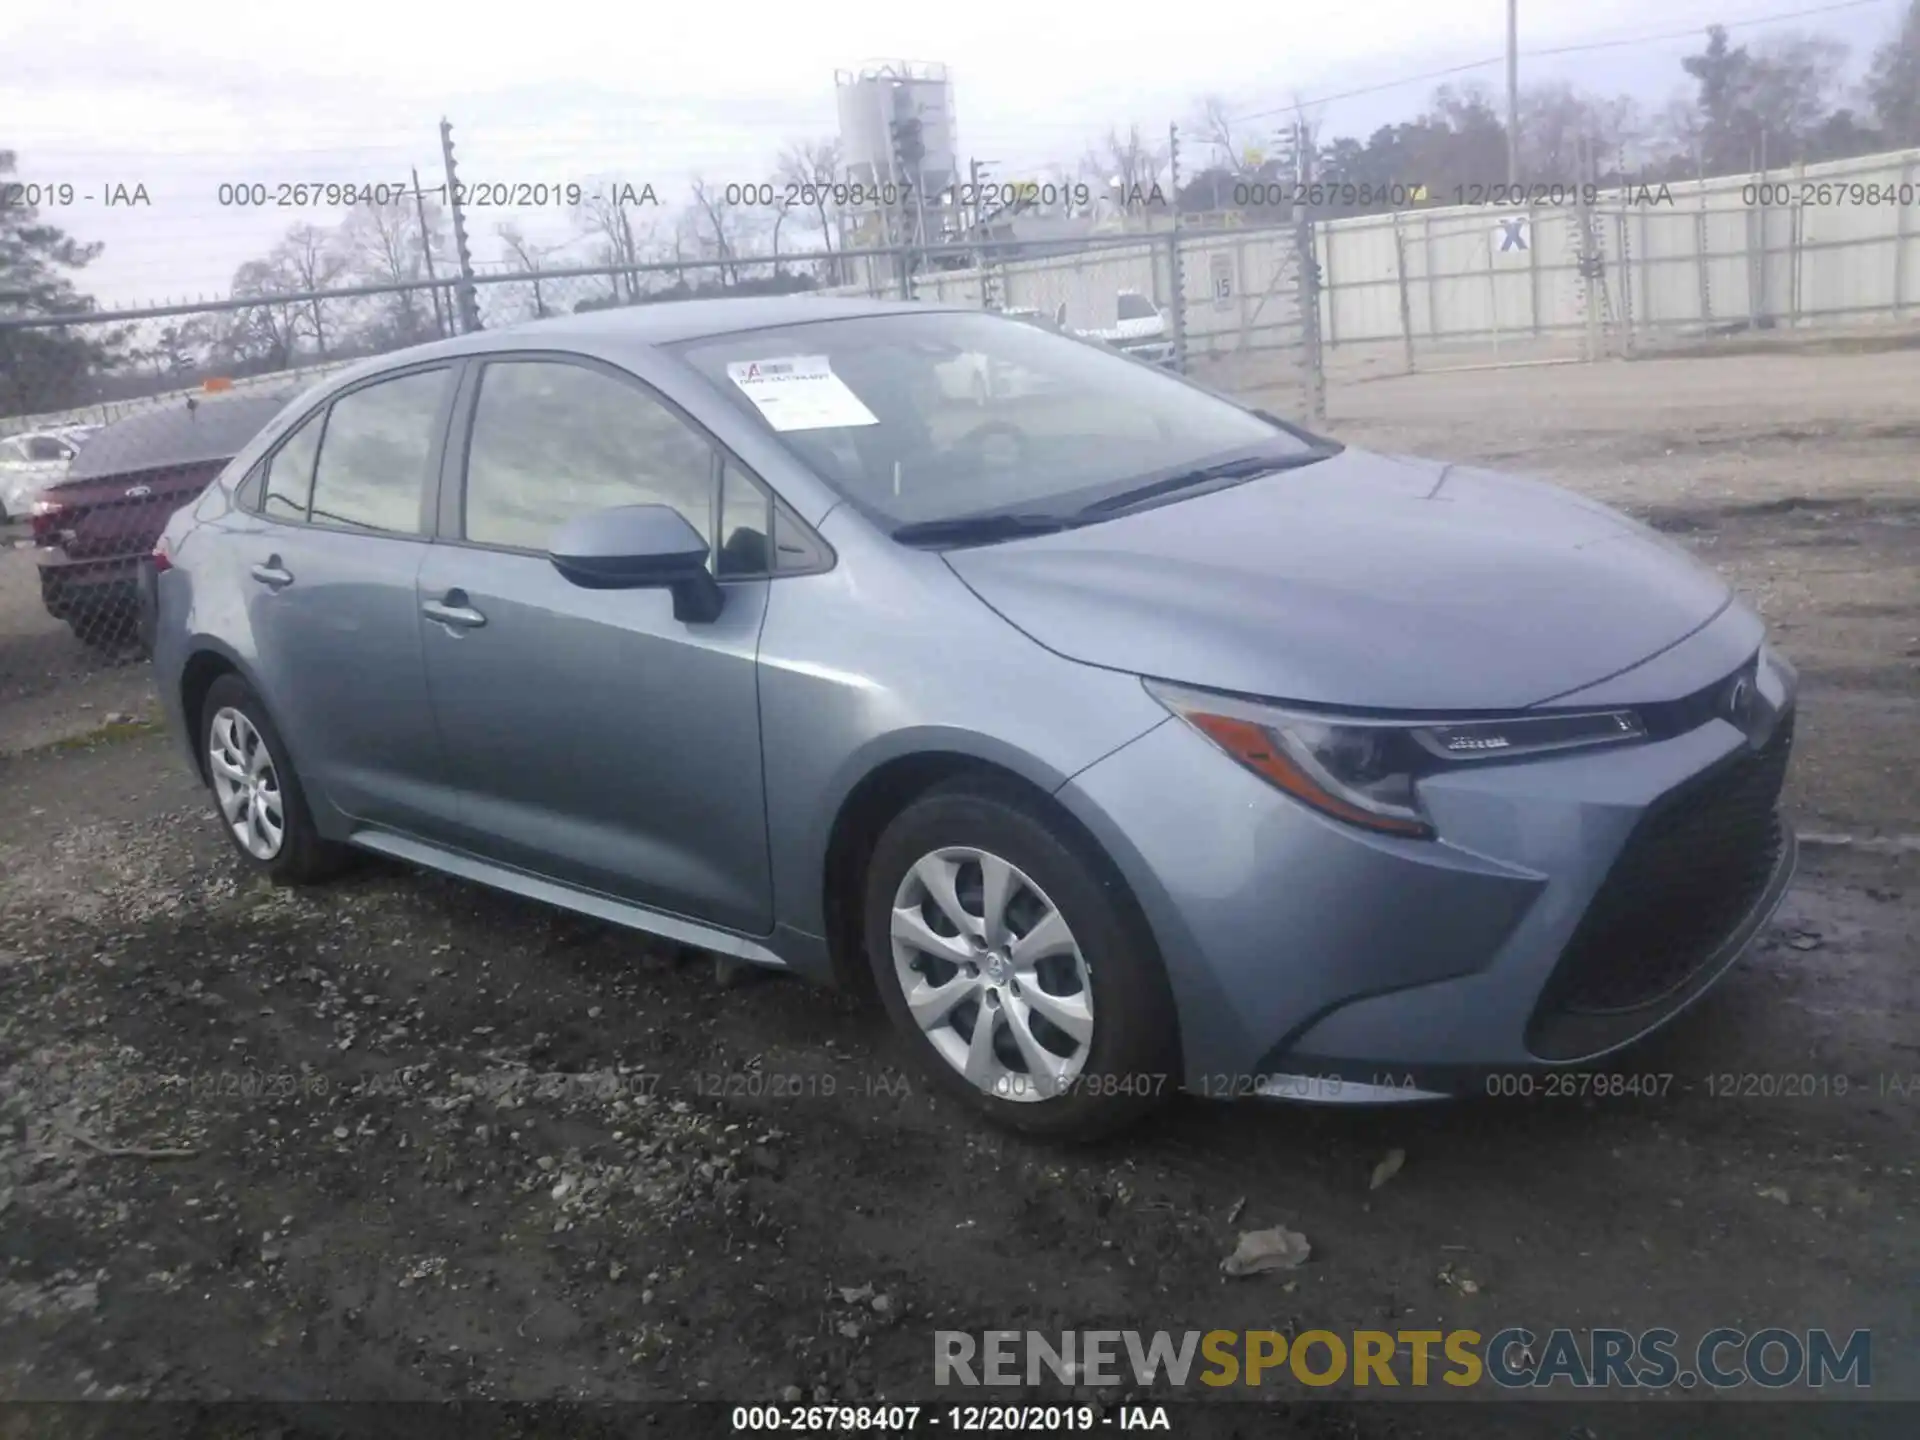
x: 813, y: 167
x: 527, y: 256
x: 605, y: 221
x: 1557, y: 120
x: 1677, y: 138
x: 1217, y: 129
x: 309, y: 259
x: 1126, y: 162
x: 1793, y: 81
x: 1893, y: 81
x: 386, y: 246
x: 721, y: 221
x: 262, y: 335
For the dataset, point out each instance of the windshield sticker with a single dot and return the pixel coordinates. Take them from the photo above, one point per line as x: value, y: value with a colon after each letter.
x: 799, y: 392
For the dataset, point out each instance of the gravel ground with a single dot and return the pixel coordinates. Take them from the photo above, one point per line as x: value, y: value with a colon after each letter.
x: 404, y: 1138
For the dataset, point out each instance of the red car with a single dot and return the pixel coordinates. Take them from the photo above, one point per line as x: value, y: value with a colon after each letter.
x: 94, y: 528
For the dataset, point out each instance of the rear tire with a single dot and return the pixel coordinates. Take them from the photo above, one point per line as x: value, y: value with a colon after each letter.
x: 982, y: 907
x: 257, y: 796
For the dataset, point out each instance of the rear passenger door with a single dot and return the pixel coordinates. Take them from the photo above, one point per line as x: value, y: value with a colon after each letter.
x: 343, y: 519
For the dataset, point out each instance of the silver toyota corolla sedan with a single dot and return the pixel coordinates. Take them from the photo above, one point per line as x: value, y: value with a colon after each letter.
x: 1127, y: 739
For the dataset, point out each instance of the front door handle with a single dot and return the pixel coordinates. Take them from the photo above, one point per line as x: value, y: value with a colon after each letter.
x: 273, y: 575
x: 460, y: 617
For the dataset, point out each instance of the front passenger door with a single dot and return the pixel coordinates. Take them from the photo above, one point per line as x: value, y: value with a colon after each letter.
x: 594, y: 738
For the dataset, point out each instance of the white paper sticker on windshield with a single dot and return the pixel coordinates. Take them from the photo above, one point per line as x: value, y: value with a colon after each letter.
x: 799, y: 392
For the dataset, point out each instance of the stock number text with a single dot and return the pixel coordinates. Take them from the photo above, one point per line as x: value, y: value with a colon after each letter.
x: 1828, y: 192
x: 303, y: 195
x: 772, y: 195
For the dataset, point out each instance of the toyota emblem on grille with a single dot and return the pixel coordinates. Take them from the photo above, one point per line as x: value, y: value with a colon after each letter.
x: 139, y: 492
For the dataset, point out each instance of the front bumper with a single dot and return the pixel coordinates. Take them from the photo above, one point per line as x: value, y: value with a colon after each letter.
x: 1550, y: 924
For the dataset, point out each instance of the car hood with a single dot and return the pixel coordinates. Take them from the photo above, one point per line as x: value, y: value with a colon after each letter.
x: 1366, y: 580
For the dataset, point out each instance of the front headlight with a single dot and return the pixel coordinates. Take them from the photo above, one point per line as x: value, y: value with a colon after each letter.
x: 1363, y: 770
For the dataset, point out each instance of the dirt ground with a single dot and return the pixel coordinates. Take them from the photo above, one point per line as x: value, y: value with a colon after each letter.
x: 441, y: 1143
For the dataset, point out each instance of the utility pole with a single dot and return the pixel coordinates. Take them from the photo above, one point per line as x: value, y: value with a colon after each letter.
x: 1176, y: 262
x: 469, y: 303
x: 426, y: 253
x: 992, y: 288
x: 1513, y: 92
x: 1312, y: 363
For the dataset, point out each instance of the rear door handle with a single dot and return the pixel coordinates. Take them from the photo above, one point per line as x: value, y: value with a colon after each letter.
x: 272, y: 575
x: 460, y: 617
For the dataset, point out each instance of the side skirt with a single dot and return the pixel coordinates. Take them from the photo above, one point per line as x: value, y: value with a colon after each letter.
x: 567, y: 897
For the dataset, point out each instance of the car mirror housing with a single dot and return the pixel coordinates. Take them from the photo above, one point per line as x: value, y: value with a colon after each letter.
x: 639, y: 547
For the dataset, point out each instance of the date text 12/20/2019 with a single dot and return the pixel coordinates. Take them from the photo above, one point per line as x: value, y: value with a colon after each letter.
x: 951, y: 1419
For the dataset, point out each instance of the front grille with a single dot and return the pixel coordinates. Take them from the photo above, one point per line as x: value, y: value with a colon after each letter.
x: 1691, y: 871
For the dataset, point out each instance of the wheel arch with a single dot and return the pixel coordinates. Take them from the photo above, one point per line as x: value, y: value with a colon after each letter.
x: 206, y: 662
x: 888, y: 788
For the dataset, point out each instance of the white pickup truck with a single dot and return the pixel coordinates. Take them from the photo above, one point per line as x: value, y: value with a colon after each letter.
x: 1140, y: 330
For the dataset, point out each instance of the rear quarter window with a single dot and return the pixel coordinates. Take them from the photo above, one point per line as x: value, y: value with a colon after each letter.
x: 214, y: 499
x: 246, y: 494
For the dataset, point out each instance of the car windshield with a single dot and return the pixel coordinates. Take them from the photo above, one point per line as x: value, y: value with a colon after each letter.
x: 922, y: 417
x: 1136, y: 307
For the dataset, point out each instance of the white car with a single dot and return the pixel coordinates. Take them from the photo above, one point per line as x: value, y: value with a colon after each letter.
x: 1140, y: 329
x: 28, y: 464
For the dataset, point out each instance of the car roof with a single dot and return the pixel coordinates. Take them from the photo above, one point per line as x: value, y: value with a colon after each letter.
x: 622, y: 327
x: 176, y: 434
x: 671, y: 321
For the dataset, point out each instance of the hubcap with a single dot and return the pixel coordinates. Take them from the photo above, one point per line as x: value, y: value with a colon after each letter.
x: 245, y: 783
x: 992, y: 974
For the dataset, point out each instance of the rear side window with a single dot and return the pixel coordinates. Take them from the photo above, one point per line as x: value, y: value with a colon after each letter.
x: 289, y: 472
x: 373, y: 458
x: 247, y: 493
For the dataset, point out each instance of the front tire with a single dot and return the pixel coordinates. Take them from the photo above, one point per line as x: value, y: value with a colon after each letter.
x: 258, y: 797
x: 1019, y: 972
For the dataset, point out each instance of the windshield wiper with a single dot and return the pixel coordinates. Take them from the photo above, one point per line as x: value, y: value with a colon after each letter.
x: 1000, y: 525
x: 1245, y: 467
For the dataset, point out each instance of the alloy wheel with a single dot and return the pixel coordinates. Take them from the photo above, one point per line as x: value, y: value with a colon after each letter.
x: 992, y: 974
x: 246, y: 784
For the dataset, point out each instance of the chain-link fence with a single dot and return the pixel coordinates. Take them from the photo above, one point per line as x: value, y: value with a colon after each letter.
x: 111, y: 421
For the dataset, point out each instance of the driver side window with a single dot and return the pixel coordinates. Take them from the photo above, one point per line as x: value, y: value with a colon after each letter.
x: 551, y: 441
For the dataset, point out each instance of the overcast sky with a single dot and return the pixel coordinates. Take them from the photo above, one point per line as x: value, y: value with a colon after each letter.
x: 181, y: 98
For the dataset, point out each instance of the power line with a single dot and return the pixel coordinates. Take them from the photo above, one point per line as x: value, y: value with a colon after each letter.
x: 1581, y: 48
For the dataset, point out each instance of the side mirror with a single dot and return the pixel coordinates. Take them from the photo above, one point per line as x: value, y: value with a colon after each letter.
x: 639, y: 547
x: 1060, y: 315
